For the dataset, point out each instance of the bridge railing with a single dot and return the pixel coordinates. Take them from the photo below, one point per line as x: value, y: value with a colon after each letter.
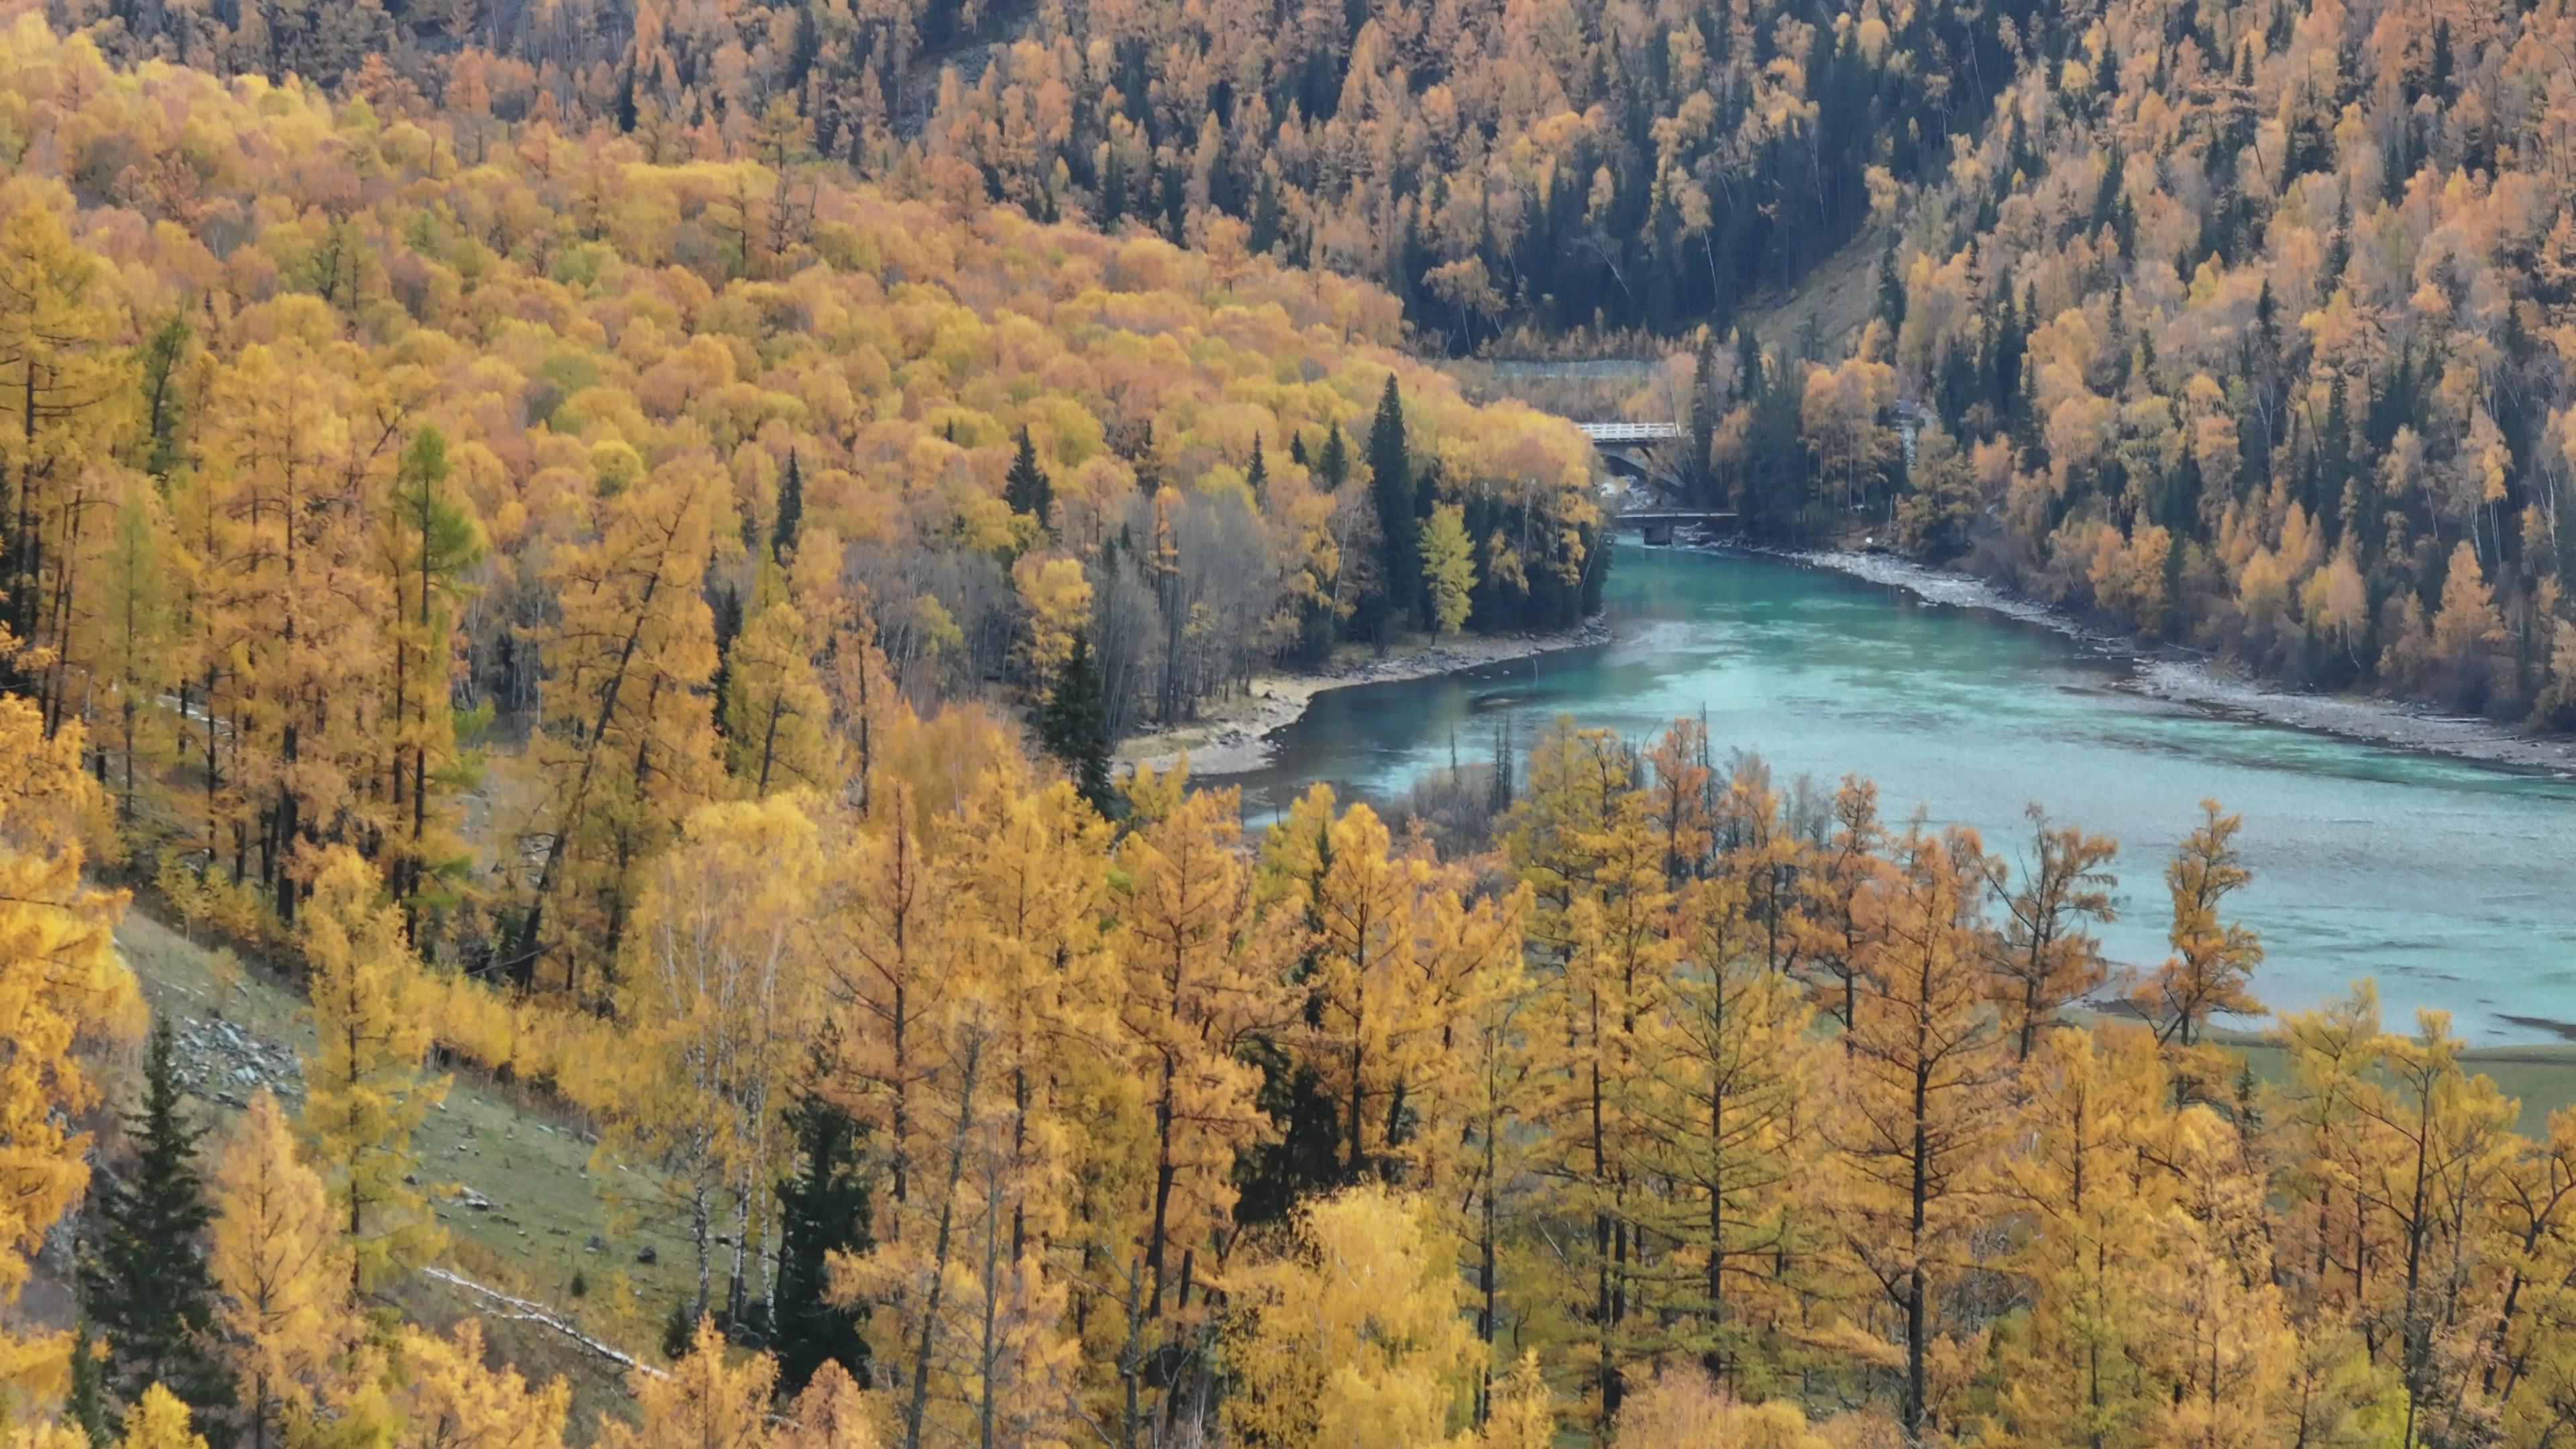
x: 1631, y: 432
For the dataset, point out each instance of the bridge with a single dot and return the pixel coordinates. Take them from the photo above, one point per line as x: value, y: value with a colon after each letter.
x: 1659, y: 524
x: 1631, y: 434
x: 1631, y: 450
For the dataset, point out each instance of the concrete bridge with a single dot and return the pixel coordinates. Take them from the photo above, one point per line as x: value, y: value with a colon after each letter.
x: 1631, y: 450
x: 1660, y: 524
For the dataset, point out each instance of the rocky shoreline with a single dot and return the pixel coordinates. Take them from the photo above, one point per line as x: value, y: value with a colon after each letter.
x: 1234, y: 734
x: 2185, y: 678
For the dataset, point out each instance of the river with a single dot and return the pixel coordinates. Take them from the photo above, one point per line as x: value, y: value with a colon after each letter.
x: 2452, y: 883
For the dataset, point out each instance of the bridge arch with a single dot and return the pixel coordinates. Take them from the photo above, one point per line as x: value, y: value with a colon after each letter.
x: 1628, y: 450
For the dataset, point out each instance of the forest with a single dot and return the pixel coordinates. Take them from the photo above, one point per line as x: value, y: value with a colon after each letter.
x: 604, y: 556
x: 2242, y: 326
x: 1505, y: 170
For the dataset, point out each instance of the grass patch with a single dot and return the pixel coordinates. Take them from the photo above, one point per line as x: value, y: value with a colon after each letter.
x: 2541, y: 1078
x: 526, y: 1154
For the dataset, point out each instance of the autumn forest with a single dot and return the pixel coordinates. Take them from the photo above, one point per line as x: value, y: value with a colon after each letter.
x: 622, y: 565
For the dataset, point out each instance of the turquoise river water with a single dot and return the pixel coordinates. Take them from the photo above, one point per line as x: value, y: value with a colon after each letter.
x: 2452, y: 883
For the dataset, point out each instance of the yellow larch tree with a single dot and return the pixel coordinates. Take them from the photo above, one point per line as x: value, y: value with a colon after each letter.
x: 1682, y: 1408
x: 831, y: 1413
x: 365, y: 1090
x: 447, y: 1397
x: 2215, y: 1336
x: 2435, y: 1150
x: 68, y: 386
x: 2212, y: 968
x: 209, y: 564
x: 61, y: 987
x: 281, y: 1268
x: 1834, y: 953
x: 1027, y: 868
x: 1200, y: 978
x: 2530, y: 1371
x: 1912, y: 1114
x: 1727, y: 1123
x: 1392, y: 954
x: 1682, y: 793
x: 1577, y: 780
x: 2331, y: 1249
x: 969, y: 1333
x: 1489, y: 1178
x: 626, y: 748
x: 1056, y: 596
x: 1520, y: 1411
x: 129, y: 629
x: 426, y: 542
x: 1762, y: 848
x: 158, y: 1420
x: 289, y: 447
x: 706, y: 1401
x: 1352, y: 1334
x: 2092, y: 1121
x: 778, y: 732
x: 1448, y: 568
x: 885, y: 979
x: 1596, y: 1019
x: 2043, y: 957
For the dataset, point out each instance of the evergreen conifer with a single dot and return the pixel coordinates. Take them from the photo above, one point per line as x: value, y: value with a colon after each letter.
x: 1027, y: 490
x: 1398, y: 516
x: 823, y: 1209
x: 146, y: 1281
x: 1074, y: 726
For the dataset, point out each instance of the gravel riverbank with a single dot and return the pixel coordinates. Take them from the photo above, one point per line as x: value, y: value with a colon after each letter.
x: 2209, y: 684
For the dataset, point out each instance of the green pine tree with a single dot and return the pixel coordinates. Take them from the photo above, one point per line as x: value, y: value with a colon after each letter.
x: 1333, y: 463
x: 726, y: 607
x: 86, y: 1404
x: 1256, y: 477
x: 791, y: 508
x: 1775, y: 485
x: 1748, y: 365
x: 823, y: 1209
x: 1891, y: 288
x: 1701, y: 423
x: 1074, y: 726
x: 162, y: 356
x: 1027, y: 489
x: 1269, y: 216
x: 147, y: 1284
x: 1398, y: 520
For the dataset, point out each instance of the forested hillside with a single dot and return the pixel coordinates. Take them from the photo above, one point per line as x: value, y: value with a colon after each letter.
x: 2243, y: 325
x: 1519, y: 169
x: 605, y: 603
x: 339, y: 454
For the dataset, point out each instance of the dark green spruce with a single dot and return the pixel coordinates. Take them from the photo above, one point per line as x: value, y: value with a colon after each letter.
x: 1398, y: 518
x: 145, y: 1279
x: 791, y: 509
x: 1027, y: 490
x: 822, y: 1210
x: 1074, y: 725
x: 86, y: 1403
